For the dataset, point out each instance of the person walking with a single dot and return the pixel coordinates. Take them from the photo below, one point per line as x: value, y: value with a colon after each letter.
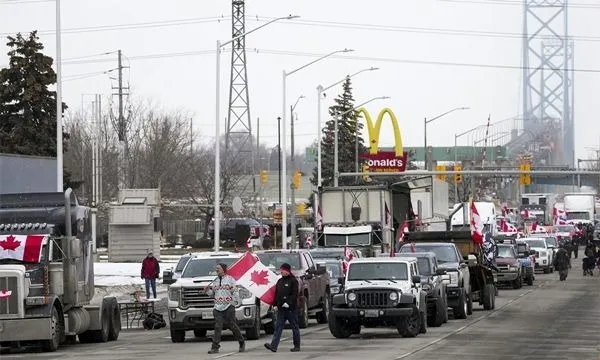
x: 562, y: 262
x: 226, y: 294
x: 286, y: 297
x: 150, y: 272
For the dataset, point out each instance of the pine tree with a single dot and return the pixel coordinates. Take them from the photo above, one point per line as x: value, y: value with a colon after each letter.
x: 27, y: 106
x: 349, y: 130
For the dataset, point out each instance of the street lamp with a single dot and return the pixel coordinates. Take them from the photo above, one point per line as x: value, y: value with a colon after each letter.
x: 217, y: 204
x: 59, y: 127
x: 283, y: 145
x: 425, y: 122
x: 321, y: 90
x: 336, y: 174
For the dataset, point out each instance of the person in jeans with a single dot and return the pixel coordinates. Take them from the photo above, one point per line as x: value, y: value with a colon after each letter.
x: 226, y: 294
x: 286, y: 297
x: 150, y: 272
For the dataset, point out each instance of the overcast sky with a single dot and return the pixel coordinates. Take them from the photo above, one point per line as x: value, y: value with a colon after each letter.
x: 172, y: 60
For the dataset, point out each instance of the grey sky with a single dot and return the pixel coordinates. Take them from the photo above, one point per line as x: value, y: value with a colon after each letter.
x: 416, y: 90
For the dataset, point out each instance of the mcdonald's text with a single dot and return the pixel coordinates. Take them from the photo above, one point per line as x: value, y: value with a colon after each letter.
x: 385, y: 161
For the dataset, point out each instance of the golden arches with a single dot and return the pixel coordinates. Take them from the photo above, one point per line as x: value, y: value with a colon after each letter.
x: 375, y: 130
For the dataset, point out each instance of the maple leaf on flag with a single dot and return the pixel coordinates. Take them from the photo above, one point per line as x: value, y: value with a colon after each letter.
x: 10, y: 243
x: 260, y: 277
x: 5, y: 294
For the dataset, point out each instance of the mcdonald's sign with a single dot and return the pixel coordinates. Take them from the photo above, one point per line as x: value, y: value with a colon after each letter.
x: 383, y: 161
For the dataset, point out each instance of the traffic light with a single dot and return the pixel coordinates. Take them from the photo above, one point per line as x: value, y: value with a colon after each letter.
x: 525, y: 178
x: 263, y: 177
x: 300, y: 209
x: 458, y: 177
x: 297, y: 179
x: 365, y: 170
x: 442, y: 177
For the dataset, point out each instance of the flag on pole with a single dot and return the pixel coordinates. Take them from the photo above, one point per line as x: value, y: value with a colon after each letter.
x: 254, y: 276
x: 476, y: 225
x: 319, y: 220
x: 388, y: 216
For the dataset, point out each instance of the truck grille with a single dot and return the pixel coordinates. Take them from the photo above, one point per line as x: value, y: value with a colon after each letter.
x: 502, y: 268
x: 9, y: 296
x: 372, y: 299
x: 196, y: 297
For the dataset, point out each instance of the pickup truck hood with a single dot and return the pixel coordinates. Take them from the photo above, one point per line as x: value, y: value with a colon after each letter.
x: 507, y: 261
x: 200, y: 281
x: 403, y: 286
x: 566, y: 234
x: 449, y: 266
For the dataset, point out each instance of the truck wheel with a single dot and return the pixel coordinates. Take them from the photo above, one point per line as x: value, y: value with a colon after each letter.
x: 270, y: 326
x: 530, y: 280
x: 303, y: 323
x: 410, y: 326
x: 200, y: 333
x: 488, y: 297
x: 323, y: 315
x: 177, y: 336
x: 356, y: 329
x: 469, y: 302
x: 460, y: 312
x: 437, y: 318
x: 115, y: 320
x: 339, y: 328
x: 253, y: 333
x: 56, y: 324
x: 518, y: 283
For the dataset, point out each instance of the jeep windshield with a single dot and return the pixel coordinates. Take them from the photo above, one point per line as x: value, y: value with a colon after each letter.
x: 444, y: 253
x: 204, y: 267
x: 275, y: 260
x: 377, y: 271
x: 506, y: 252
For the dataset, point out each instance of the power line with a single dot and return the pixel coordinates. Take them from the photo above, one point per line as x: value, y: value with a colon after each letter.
x: 520, y: 3
x: 17, y: 2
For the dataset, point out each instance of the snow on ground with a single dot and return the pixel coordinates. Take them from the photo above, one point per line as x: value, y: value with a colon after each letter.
x: 122, y: 280
x: 118, y: 269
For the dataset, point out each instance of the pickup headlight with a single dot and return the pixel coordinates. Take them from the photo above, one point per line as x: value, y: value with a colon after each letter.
x: 394, y: 296
x: 244, y: 293
x: 513, y: 268
x: 174, y: 294
x: 351, y: 296
x: 426, y: 287
x: 453, y: 278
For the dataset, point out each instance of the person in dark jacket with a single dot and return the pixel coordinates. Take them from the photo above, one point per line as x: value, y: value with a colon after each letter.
x: 286, y: 297
x: 150, y: 272
x: 562, y: 262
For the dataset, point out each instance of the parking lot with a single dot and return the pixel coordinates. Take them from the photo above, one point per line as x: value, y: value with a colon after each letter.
x: 550, y: 320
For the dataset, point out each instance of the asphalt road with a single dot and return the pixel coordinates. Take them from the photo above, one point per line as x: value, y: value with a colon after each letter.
x: 550, y: 320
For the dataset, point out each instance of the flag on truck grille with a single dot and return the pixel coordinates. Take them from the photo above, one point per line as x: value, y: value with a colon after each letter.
x: 26, y: 248
x: 253, y: 275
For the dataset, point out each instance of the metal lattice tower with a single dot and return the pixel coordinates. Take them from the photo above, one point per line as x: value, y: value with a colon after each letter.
x: 238, y: 140
x: 548, y: 76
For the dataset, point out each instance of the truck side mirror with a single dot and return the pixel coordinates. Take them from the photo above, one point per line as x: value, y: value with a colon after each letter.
x: 416, y: 279
x: 440, y: 272
x: 531, y: 252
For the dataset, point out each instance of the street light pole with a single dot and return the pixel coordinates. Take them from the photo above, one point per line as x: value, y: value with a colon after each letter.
x: 292, y: 188
x: 217, y: 200
x: 425, y: 122
x: 336, y: 173
x: 59, y: 122
x: 283, y: 145
x: 320, y: 91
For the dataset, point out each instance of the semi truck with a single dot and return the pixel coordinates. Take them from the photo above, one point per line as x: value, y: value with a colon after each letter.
x: 539, y: 207
x: 580, y: 207
x: 47, y: 274
x: 369, y: 217
x: 461, y: 216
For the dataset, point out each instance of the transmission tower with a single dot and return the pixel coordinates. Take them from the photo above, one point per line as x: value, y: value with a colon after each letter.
x: 238, y: 139
x: 548, y: 76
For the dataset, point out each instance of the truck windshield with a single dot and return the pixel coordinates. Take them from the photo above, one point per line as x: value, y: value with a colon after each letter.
x: 204, y: 267
x: 551, y: 241
x: 377, y: 271
x: 578, y: 215
x: 538, y: 243
x: 275, y: 260
x: 444, y: 253
x: 424, y: 266
x: 506, y: 252
x: 353, y: 239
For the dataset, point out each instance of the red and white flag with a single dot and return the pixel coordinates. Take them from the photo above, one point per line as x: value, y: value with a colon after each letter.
x: 5, y: 294
x: 388, y: 216
x: 319, y: 219
x: 249, y: 243
x: 347, y: 258
x: 525, y: 214
x: 26, y: 248
x: 253, y: 275
x: 476, y: 225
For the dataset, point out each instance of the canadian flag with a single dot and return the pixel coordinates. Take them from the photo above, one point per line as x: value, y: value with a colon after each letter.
x: 525, y: 214
x: 26, y: 248
x: 5, y: 294
x: 559, y: 221
x: 347, y: 258
x: 253, y: 275
x: 534, y: 226
x: 319, y: 220
x: 388, y: 216
x: 476, y: 225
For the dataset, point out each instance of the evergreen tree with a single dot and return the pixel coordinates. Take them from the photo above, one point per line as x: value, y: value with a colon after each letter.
x: 349, y: 130
x: 27, y: 106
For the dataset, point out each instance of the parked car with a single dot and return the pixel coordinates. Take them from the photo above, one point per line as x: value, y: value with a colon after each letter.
x: 543, y: 254
x: 314, y: 299
x: 229, y: 226
x: 509, y: 266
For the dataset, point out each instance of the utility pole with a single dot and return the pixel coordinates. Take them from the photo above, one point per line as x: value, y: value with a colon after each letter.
x: 191, y: 137
x: 292, y: 187
x: 121, y: 125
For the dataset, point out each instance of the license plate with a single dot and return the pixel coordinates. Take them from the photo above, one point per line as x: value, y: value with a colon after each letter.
x: 207, y: 315
x: 372, y: 313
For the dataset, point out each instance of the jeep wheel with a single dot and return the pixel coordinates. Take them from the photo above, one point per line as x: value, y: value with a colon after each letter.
x: 303, y: 323
x: 200, y: 333
x: 460, y: 311
x: 488, y: 297
x: 253, y: 333
x: 437, y: 318
x: 518, y: 283
x: 339, y: 328
x: 410, y: 326
x: 323, y: 315
x: 177, y: 336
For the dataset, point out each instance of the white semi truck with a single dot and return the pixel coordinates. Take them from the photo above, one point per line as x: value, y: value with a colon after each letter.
x: 580, y: 207
x: 539, y: 207
x: 47, y: 274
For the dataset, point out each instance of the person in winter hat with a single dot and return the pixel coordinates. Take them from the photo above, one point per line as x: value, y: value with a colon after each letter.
x: 286, y: 297
x: 150, y: 272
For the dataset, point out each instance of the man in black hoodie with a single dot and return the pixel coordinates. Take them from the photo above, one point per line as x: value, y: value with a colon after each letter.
x: 286, y: 297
